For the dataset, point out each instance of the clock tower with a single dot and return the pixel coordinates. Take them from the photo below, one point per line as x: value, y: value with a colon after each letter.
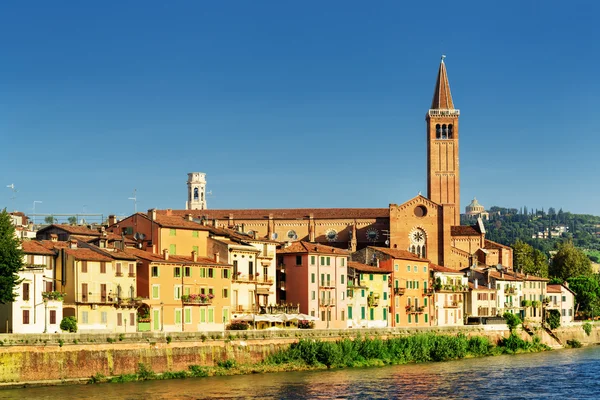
x: 443, y: 183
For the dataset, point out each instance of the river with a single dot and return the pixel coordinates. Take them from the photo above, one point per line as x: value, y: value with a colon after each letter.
x: 561, y: 374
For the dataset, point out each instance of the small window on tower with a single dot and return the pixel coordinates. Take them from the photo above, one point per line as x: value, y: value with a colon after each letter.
x: 195, y: 193
x: 444, y: 132
x: 450, y: 133
x: 438, y: 131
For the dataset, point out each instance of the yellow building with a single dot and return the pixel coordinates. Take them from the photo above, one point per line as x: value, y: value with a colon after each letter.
x: 450, y: 288
x: 369, y: 296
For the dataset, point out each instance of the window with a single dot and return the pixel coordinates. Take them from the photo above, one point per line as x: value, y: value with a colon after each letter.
x: 396, y: 268
x: 203, y: 270
x: 177, y: 293
x: 25, y: 292
x: 172, y: 232
x: 195, y: 249
x: 415, y: 268
x: 177, y: 272
x: 312, y: 278
x: 322, y: 260
x: 362, y: 292
x: 49, y: 286
x: 312, y: 260
x: 225, y: 315
x: 84, y: 266
x: 225, y: 273
x: 195, y: 234
x: 343, y: 295
x: 211, y: 291
x: 313, y: 295
x: 385, y: 278
x: 119, y: 319
x: 25, y: 317
x: 251, y: 267
x: 328, y: 260
x: 118, y: 271
x: 342, y: 279
x: 187, y: 272
x: 363, y: 313
x: 342, y: 315
x: 84, y: 317
x: 172, y: 249
x: 155, y: 291
x: 84, y: 292
x: 570, y: 312
x: 425, y: 303
x: 188, y: 315
x: 155, y: 272
x: 385, y: 295
x: 131, y: 319
x: 416, y: 318
x: 131, y: 270
x: 564, y: 312
x: 397, y: 318
x: 103, y: 317
x: 385, y: 314
x: 408, y: 268
x: 298, y: 260
x: 425, y: 269
x: 349, y: 312
x: 323, y: 315
x: 426, y: 318
x: 102, y: 267
x: 564, y: 298
x: 52, y: 317
x: 370, y: 277
x: 343, y: 261
x: 225, y: 293
x: 103, y: 292
x: 178, y: 316
x: 409, y: 318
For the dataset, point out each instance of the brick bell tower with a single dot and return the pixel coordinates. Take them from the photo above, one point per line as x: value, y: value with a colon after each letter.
x: 443, y: 182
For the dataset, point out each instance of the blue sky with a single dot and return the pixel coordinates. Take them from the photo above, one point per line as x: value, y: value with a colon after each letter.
x: 294, y: 104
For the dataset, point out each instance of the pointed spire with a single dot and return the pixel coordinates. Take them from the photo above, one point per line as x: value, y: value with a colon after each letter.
x: 442, y: 98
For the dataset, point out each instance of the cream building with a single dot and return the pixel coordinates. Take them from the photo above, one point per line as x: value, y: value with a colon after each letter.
x: 561, y: 298
x: 450, y: 287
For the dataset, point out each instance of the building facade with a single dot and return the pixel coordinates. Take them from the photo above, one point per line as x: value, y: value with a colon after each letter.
x: 369, y: 296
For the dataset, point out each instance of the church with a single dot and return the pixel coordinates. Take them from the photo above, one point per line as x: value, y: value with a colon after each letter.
x: 428, y: 226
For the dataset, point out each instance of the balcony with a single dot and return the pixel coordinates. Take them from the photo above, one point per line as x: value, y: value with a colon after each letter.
x: 399, y: 291
x: 428, y: 291
x: 197, y: 299
x: 327, y: 284
x: 327, y: 303
x: 96, y: 299
x: 254, y: 278
x: 53, y: 296
x: 451, y: 288
x: 510, y: 290
x: 453, y: 304
x: 118, y: 274
x: 131, y: 275
x: 414, y: 310
x: 130, y: 302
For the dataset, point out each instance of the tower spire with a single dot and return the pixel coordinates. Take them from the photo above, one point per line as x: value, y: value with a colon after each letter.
x: 442, y: 98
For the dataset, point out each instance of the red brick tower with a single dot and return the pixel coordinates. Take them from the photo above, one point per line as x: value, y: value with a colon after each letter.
x: 443, y: 183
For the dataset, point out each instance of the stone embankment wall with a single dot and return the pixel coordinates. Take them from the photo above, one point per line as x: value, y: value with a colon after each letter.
x: 65, y: 357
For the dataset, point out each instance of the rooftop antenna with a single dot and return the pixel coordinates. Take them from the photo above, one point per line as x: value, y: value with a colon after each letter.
x: 34, y: 203
x: 134, y: 198
x: 14, y: 193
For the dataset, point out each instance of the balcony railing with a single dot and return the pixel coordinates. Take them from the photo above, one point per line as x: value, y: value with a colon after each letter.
x: 451, y: 288
x: 510, y: 290
x: 53, y: 296
x: 327, y: 284
x: 197, y: 299
x: 428, y: 291
x: 254, y: 278
x: 96, y: 299
x: 452, y: 304
x: 414, y: 310
x: 327, y: 303
x: 399, y: 291
x: 131, y: 274
x: 119, y: 273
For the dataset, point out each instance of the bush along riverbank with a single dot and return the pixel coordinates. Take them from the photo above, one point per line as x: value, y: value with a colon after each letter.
x: 308, y: 354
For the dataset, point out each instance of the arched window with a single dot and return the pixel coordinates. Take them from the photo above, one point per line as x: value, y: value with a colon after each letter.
x: 413, y: 250
x: 450, y: 132
x: 444, y: 132
x: 195, y: 193
x: 438, y: 131
x: 423, y: 254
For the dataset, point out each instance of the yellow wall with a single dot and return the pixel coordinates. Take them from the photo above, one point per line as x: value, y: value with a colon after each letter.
x: 184, y: 241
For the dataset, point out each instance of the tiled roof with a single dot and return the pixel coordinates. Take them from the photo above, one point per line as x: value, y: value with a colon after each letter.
x: 399, y: 254
x: 284, y: 213
x: 307, y: 247
x: 175, y: 259
x: 439, y: 268
x: 514, y: 276
x: 465, y: 230
x: 36, y: 247
x: 442, y: 98
x: 480, y: 287
x: 368, y: 268
x: 553, y: 288
x: 73, y: 229
x: 493, y: 245
x: 87, y: 255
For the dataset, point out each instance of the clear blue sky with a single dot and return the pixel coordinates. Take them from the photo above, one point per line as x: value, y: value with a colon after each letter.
x: 294, y: 104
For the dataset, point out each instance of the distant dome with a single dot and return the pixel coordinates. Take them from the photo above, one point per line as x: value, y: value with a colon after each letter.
x: 474, y: 207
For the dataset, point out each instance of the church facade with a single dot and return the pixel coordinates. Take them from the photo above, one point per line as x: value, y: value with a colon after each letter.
x: 427, y: 226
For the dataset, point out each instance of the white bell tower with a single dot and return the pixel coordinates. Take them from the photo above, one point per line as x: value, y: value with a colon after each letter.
x: 196, y: 191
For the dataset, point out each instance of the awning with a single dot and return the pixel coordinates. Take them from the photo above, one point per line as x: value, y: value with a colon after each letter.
x: 263, y: 291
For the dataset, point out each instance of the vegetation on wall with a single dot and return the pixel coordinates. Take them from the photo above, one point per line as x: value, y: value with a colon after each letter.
x: 11, y: 259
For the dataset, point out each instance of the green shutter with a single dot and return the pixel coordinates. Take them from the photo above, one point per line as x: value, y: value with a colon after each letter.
x: 397, y: 318
x: 385, y: 278
x: 416, y: 318
x: 195, y: 248
x: 385, y: 295
x: 173, y: 232
x: 178, y: 316
x: 425, y: 303
x: 349, y: 312
x: 409, y: 318
x: 312, y: 260
x: 372, y: 313
x: 155, y: 292
x: 362, y: 313
x: 211, y: 315
x: 202, y: 315
x: 225, y: 315
x: 328, y: 260
x: 172, y: 249
x: 188, y: 316
x: 195, y: 234
x: 385, y: 314
x: 426, y: 318
x: 370, y: 277
x: 362, y: 292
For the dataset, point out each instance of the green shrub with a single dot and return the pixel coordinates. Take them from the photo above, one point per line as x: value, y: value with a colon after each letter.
x: 144, y: 373
x: 227, y: 364
x: 69, y: 324
x: 587, y: 328
x: 238, y: 326
x: 169, y: 339
x: 121, y: 337
x: 306, y: 324
x: 110, y: 340
x: 61, y: 342
x: 574, y: 343
x: 553, y: 319
x: 197, y: 371
x: 512, y: 320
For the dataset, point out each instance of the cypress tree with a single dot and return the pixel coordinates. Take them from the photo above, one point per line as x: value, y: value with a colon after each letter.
x: 11, y: 259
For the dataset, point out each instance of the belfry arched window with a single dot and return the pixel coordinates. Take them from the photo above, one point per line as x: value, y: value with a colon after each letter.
x: 444, y: 132
x: 438, y: 131
x: 195, y: 193
x: 450, y: 132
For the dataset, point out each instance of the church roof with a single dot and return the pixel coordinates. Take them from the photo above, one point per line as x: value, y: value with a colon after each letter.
x: 284, y: 213
x: 398, y: 253
x: 442, y: 98
x: 307, y: 247
x: 468, y: 230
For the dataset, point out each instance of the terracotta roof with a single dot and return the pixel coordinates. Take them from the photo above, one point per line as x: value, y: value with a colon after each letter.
x: 514, y: 276
x: 175, y: 259
x: 87, y: 255
x: 462, y: 230
x: 36, y: 247
x: 399, y: 254
x: 493, y: 245
x: 284, y: 213
x: 73, y: 229
x: 480, y: 287
x: 442, y: 98
x: 368, y: 268
x: 553, y: 288
x: 439, y: 268
x: 307, y: 247
x: 49, y: 244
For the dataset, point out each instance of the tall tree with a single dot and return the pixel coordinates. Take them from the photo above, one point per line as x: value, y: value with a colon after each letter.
x: 587, y: 291
x: 569, y: 262
x: 523, y: 256
x: 11, y: 259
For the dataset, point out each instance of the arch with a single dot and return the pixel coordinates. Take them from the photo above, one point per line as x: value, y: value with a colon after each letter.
x: 196, y: 193
x: 437, y: 131
x: 450, y: 131
x: 444, y: 132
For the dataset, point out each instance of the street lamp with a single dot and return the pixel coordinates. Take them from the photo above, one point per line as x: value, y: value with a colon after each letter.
x: 162, y: 316
x: 45, y: 315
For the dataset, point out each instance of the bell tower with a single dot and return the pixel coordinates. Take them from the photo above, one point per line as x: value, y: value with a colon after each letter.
x: 196, y: 184
x: 443, y: 182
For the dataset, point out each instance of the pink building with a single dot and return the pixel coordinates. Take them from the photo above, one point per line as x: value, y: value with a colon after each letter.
x: 315, y: 277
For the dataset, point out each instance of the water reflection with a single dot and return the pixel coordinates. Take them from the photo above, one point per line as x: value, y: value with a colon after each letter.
x: 568, y: 374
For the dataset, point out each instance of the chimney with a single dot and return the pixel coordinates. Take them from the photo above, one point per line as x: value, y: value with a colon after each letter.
x: 152, y: 214
x: 476, y: 283
x: 112, y: 219
x: 216, y: 223
x: 502, y: 274
x: 166, y: 254
x: 254, y: 234
x: 216, y: 257
x: 53, y: 237
x: 72, y: 244
x: 230, y: 219
x: 188, y: 217
x: 194, y: 256
x: 169, y: 212
x: 566, y: 284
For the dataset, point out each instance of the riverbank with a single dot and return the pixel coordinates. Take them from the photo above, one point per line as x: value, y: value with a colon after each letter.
x: 51, y: 359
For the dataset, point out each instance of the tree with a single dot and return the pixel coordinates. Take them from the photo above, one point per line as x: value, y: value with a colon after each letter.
x: 72, y: 220
x: 587, y: 292
x: 529, y: 260
x: 512, y: 320
x: 540, y: 263
x: 11, y: 259
x: 50, y: 219
x: 569, y: 262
